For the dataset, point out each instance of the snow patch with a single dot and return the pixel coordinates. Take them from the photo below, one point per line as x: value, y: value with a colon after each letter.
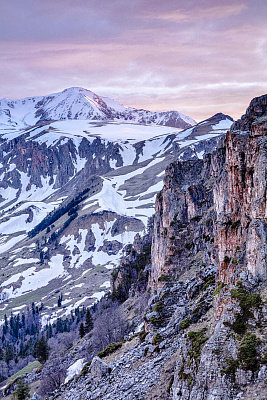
x: 75, y: 369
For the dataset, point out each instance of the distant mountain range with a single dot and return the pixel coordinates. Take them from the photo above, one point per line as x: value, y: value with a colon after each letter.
x: 79, y: 174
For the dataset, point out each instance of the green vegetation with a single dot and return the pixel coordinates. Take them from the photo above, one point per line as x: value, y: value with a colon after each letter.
x: 70, y: 208
x: 22, y: 392
x: 157, y: 321
x: 218, y: 288
x: 181, y: 374
x: 197, y: 338
x: 26, y: 370
x: 142, y: 335
x: 248, y: 354
x: 209, y: 281
x: 170, y: 384
x: 23, y: 337
x: 159, y: 306
x: 110, y: 349
x: 41, y: 350
x: 132, y: 273
x: 246, y: 301
x: 163, y: 278
x: 231, y: 368
x: 156, y: 339
x: 247, y: 359
x: 189, y: 380
x: 185, y: 323
x: 84, y: 371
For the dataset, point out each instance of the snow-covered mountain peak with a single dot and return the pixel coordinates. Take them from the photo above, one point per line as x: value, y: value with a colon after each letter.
x: 76, y: 103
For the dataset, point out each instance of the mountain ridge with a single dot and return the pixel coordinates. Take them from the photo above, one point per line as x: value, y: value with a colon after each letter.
x: 79, y: 103
x: 44, y: 167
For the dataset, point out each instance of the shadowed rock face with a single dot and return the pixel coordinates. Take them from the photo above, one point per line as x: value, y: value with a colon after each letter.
x: 209, y: 232
x: 231, y: 184
x: 241, y: 206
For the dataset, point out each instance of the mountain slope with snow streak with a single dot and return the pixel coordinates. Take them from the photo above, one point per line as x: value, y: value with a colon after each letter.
x: 92, y: 186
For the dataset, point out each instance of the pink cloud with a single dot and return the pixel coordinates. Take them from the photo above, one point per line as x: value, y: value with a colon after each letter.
x: 199, y: 57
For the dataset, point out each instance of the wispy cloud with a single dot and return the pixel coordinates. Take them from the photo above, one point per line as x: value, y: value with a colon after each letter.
x: 199, y: 57
x: 201, y: 13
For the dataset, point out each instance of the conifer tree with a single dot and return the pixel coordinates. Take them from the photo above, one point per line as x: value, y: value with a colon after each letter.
x: 23, y: 391
x: 42, y: 350
x: 88, y: 322
x: 81, y: 330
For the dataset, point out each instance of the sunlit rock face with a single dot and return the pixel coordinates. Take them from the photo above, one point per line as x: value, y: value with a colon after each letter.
x: 232, y: 183
x: 240, y: 196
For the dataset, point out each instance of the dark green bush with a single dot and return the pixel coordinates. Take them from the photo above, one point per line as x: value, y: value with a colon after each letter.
x: 219, y: 288
x: 110, y: 349
x: 159, y: 306
x: 248, y: 354
x: 185, y: 323
x: 163, y: 278
x: 156, y: 339
x: 197, y: 338
x: 246, y: 301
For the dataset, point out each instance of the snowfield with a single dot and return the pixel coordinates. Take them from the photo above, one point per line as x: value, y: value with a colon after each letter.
x: 101, y: 139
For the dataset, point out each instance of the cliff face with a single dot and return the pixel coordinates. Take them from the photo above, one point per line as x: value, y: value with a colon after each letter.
x: 220, y: 200
x: 183, y: 228
x: 241, y: 206
x: 213, y: 213
x: 205, y: 327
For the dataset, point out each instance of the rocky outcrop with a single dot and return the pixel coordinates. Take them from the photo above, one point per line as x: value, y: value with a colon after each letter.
x: 206, y: 320
x: 240, y: 198
x: 205, y: 325
x: 184, y: 214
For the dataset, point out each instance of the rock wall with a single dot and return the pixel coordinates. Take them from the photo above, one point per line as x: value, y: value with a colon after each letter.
x: 184, y: 216
x: 222, y: 198
x: 206, y: 320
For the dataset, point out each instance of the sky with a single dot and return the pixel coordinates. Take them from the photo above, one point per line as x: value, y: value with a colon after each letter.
x: 199, y: 57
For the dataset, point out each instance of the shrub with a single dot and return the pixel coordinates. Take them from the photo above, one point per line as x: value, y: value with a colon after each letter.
x: 231, y: 368
x: 248, y: 354
x: 163, y: 278
x: 23, y: 391
x: 197, y: 338
x: 142, y: 335
x: 219, y: 288
x: 246, y: 301
x: 159, y: 306
x: 157, y: 321
x: 110, y: 349
x: 189, y: 380
x: 209, y: 281
x: 185, y: 323
x: 156, y: 339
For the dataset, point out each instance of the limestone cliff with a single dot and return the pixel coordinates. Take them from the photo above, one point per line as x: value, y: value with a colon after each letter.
x: 206, y: 321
